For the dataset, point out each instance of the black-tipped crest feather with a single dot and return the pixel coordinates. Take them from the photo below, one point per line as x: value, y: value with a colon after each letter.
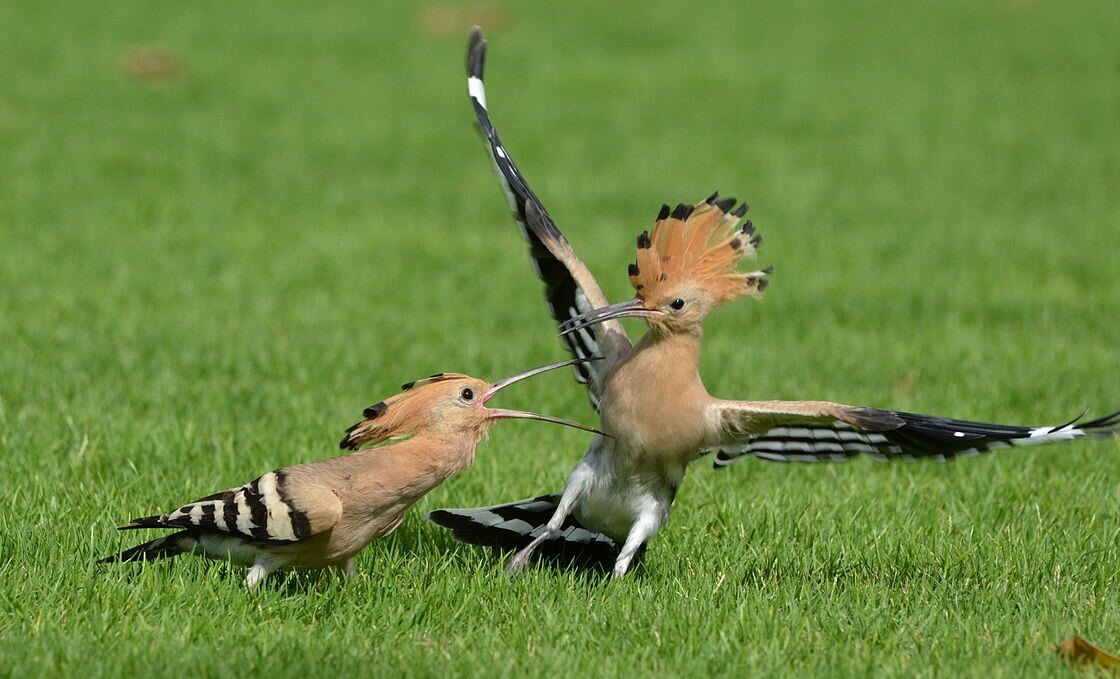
x: 725, y: 204
x: 681, y: 211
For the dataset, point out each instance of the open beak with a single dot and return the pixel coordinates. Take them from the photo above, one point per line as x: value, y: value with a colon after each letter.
x: 629, y: 309
x: 502, y: 413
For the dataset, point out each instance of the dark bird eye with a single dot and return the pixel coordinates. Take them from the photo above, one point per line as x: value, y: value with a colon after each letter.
x: 677, y: 304
x: 467, y: 394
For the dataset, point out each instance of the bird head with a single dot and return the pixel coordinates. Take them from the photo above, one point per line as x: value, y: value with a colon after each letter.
x: 447, y: 402
x: 686, y: 266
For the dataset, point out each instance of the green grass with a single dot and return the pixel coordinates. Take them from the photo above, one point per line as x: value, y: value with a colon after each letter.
x: 208, y: 278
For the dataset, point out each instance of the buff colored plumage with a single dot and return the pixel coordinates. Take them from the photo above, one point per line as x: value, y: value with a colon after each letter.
x: 321, y: 514
x: 651, y: 398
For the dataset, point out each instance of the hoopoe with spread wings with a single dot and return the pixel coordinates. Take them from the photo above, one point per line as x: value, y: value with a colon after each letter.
x: 650, y: 397
x: 321, y: 514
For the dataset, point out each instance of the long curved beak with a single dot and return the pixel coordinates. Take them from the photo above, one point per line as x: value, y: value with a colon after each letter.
x: 632, y: 308
x: 502, y: 413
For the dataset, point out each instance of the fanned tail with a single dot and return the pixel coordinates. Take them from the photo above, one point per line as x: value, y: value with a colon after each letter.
x: 511, y: 526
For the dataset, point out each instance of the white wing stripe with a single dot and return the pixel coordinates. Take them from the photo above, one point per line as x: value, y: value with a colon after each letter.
x: 279, y: 519
x: 244, y: 514
x: 477, y: 89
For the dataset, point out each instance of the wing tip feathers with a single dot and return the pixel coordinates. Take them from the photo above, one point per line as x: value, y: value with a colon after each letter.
x: 476, y: 53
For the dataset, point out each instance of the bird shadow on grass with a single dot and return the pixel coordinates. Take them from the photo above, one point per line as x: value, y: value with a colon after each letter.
x: 593, y: 566
x: 286, y: 582
x: 304, y: 582
x: 410, y: 545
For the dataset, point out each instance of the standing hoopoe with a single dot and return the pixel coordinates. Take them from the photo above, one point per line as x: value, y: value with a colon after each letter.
x: 650, y: 397
x: 321, y: 514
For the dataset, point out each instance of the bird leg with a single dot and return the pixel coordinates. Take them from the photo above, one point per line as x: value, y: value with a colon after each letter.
x: 262, y: 566
x: 521, y: 559
x: 643, y: 530
x: 347, y: 569
x: 578, y: 482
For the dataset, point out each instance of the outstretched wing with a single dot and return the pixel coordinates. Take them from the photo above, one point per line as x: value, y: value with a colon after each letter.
x: 276, y: 508
x: 820, y: 431
x: 570, y: 289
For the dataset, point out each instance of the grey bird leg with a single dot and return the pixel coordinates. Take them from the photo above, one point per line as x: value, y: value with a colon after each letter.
x: 643, y: 530
x: 262, y: 566
x: 578, y: 482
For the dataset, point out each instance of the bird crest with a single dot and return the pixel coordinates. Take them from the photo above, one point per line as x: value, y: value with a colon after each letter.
x: 398, y: 416
x: 699, y: 244
x: 438, y: 377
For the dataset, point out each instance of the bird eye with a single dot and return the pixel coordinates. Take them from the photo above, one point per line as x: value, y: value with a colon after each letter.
x: 467, y: 394
x: 677, y: 304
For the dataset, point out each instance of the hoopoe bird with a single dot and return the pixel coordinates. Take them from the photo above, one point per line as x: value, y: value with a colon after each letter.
x: 321, y: 514
x: 650, y: 397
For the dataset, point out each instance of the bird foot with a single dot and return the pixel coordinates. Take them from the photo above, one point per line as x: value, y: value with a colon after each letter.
x: 517, y: 564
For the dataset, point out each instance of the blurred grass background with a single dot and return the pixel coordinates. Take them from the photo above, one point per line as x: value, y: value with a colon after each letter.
x: 226, y: 228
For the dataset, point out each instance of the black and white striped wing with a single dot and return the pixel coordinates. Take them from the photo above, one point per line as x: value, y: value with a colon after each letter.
x: 910, y: 437
x: 570, y: 289
x: 266, y: 510
x: 837, y: 442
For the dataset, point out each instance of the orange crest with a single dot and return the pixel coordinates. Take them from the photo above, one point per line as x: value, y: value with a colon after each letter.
x: 702, y: 245
x: 400, y: 415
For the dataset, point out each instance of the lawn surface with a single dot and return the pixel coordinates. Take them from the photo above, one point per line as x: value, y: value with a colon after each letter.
x: 208, y: 269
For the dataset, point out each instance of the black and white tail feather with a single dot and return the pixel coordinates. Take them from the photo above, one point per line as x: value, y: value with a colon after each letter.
x: 160, y: 548
x: 511, y: 526
x: 919, y: 437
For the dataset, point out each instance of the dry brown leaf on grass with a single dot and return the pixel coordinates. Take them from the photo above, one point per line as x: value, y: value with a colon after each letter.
x: 1077, y: 650
x: 446, y: 19
x: 152, y: 64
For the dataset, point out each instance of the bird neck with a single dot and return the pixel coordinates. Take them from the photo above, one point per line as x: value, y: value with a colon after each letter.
x: 654, y: 402
x: 661, y: 364
x: 456, y: 444
x: 681, y: 346
x: 416, y: 464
